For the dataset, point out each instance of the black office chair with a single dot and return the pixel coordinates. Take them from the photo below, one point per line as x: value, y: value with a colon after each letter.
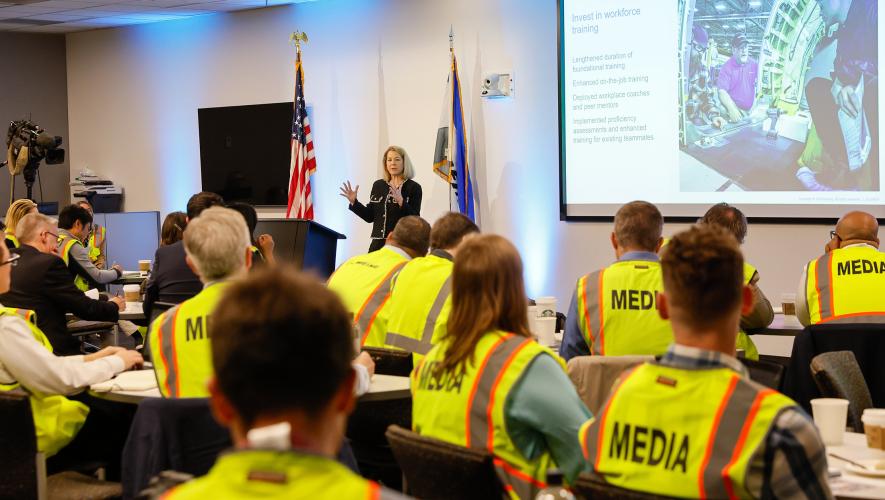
x: 390, y: 361
x: 838, y: 375
x: 767, y: 373
x: 89, y: 333
x: 23, y: 468
x: 436, y: 469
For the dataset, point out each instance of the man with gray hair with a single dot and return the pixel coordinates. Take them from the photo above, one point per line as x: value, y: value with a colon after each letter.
x: 42, y: 283
x: 217, y: 248
x: 613, y: 310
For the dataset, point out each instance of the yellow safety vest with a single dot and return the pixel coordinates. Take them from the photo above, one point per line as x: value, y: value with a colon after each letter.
x: 65, y: 244
x: 57, y: 419
x: 743, y: 340
x: 10, y: 237
x: 468, y: 409
x: 277, y: 474
x: 698, y: 448
x: 847, y: 285
x: 617, y: 311
x: 180, y: 348
x: 96, y: 240
x: 420, y: 303
x: 363, y: 283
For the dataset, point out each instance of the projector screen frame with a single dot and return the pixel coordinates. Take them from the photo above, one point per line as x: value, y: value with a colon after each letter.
x: 563, y: 209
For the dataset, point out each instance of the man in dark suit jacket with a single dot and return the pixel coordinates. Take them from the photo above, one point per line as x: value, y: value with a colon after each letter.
x: 42, y: 283
x: 171, y: 279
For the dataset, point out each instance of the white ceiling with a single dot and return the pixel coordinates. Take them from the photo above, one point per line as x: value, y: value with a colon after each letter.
x: 68, y: 16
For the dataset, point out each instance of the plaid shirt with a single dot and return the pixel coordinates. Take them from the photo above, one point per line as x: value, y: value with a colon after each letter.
x: 793, y: 462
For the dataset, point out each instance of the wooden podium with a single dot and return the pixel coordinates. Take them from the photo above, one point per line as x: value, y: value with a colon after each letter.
x: 306, y: 244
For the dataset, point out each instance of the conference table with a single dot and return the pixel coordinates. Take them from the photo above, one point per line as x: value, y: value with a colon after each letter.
x: 850, y: 484
x: 383, y: 388
x: 777, y: 338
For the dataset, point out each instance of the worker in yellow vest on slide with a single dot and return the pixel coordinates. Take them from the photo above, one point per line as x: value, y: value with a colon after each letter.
x: 217, y: 245
x: 693, y: 424
x: 421, y: 297
x: 364, y: 282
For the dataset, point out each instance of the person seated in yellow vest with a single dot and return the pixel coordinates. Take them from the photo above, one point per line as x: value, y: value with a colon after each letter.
x: 733, y: 220
x: 488, y: 385
x: 284, y: 392
x: 693, y: 424
x: 15, y: 212
x: 262, y: 246
x: 420, y: 300
x: 96, y: 242
x: 847, y: 283
x: 613, y: 310
x: 217, y: 250
x: 364, y: 282
x: 27, y: 364
x: 74, y: 227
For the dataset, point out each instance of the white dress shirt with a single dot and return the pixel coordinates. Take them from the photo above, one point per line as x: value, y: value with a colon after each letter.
x: 24, y: 360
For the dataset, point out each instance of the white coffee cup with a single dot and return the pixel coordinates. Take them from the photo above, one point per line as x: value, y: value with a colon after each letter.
x: 533, y: 313
x: 874, y: 427
x: 830, y: 417
x: 546, y: 306
x: 131, y: 293
x: 544, y: 329
x: 144, y: 265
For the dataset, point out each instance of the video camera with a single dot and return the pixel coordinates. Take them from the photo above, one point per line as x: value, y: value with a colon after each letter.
x: 27, y: 144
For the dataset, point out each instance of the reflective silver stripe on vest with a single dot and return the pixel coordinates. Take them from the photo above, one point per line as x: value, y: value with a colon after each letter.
x: 480, y: 418
x: 591, y: 296
x: 728, y: 431
x: 424, y: 345
x: 824, y: 285
x: 167, y: 347
x: 485, y: 379
x: 375, y: 301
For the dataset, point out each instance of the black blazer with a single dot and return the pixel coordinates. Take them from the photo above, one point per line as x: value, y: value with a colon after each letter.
x: 41, y: 282
x: 383, y: 212
x: 171, y: 280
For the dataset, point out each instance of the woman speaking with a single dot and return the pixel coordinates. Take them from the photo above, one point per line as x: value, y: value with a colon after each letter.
x: 393, y: 197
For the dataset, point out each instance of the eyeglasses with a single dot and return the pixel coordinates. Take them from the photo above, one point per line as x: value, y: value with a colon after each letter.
x: 834, y: 235
x: 12, y: 260
x: 51, y: 234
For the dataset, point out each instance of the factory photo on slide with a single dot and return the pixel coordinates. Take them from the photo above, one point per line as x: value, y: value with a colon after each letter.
x: 778, y: 95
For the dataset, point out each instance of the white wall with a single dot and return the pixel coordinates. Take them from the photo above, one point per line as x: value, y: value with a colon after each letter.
x: 375, y: 74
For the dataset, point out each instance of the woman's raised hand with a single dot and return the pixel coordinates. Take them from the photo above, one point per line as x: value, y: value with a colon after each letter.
x: 349, y: 192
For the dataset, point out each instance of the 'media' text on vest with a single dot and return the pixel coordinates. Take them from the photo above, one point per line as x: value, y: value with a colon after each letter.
x: 634, y: 300
x: 435, y: 379
x: 196, y: 328
x: 649, y: 446
x: 860, y: 266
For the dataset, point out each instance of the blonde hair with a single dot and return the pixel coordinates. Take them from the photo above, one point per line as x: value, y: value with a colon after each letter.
x: 216, y: 242
x: 408, y: 169
x: 488, y: 294
x: 15, y: 212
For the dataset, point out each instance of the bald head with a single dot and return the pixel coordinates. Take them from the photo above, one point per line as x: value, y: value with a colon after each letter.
x: 857, y: 227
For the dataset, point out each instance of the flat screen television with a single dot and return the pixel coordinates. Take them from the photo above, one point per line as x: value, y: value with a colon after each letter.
x: 245, y: 152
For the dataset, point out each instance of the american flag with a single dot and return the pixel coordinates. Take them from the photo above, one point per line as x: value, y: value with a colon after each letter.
x: 303, y: 163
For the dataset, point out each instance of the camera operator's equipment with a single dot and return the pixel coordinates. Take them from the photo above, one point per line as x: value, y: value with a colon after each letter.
x: 102, y: 194
x: 27, y: 145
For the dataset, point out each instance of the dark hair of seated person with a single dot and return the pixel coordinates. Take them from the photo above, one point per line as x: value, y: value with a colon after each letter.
x: 281, y: 341
x: 173, y: 228
x: 201, y: 201
x: 71, y: 214
x: 248, y: 212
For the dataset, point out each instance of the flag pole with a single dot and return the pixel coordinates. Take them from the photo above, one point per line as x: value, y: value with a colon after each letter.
x: 451, y: 154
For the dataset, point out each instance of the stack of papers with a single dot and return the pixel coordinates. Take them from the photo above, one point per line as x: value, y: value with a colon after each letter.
x: 140, y: 380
